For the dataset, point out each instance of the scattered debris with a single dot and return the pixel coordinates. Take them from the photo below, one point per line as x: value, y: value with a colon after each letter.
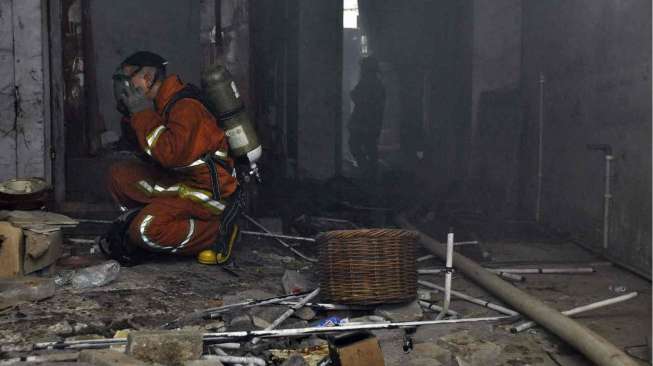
x: 429, y: 354
x: 103, y: 357
x: 309, y: 356
x: 406, y: 312
x: 294, y: 282
x: 261, y: 227
x: 62, y: 329
x: 37, y: 218
x: 166, y: 347
x: 545, y: 270
x: 581, y: 309
x: 359, y: 348
x: 305, y: 313
x: 236, y: 360
x: 95, y: 276
x: 24, y: 289
x: 434, y: 307
x: 618, y: 289
x: 290, y: 311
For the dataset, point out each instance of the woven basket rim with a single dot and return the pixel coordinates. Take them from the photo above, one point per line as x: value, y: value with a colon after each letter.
x: 367, y: 232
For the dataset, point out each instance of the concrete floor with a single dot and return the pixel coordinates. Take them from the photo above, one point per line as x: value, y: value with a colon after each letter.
x: 149, y: 295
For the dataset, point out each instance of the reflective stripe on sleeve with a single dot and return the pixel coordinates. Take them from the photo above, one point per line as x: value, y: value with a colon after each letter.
x: 152, y: 138
x: 218, y: 154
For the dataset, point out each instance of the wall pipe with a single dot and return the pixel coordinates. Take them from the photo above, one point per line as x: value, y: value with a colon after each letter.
x: 607, y: 194
x: 538, y: 200
x: 592, y: 345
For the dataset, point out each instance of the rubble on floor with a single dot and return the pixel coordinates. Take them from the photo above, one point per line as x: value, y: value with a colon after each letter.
x: 159, y: 310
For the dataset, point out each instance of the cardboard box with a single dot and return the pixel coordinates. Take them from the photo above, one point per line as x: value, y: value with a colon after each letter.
x: 25, y: 251
x: 356, y: 349
x: 11, y: 250
x: 42, y: 248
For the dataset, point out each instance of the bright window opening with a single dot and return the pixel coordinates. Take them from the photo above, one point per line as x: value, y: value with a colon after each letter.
x: 350, y: 14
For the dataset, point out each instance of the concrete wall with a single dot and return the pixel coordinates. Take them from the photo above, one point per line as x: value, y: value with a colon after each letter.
x: 496, y: 121
x: 24, y: 104
x: 319, y: 88
x: 596, y: 58
x: 120, y: 27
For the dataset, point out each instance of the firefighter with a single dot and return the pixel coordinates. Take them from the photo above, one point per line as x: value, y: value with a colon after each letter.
x: 175, y: 202
x: 367, y: 118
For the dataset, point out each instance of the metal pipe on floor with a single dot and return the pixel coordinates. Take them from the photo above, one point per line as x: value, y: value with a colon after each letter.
x: 592, y: 345
x: 508, y: 276
x: 545, y: 270
x: 290, y: 312
x: 279, y: 236
x: 236, y: 360
x: 429, y: 256
x: 437, y: 308
x: 581, y: 309
x: 273, y: 333
x: 221, y: 352
x: 471, y: 299
x: 258, y: 225
x: 325, y: 306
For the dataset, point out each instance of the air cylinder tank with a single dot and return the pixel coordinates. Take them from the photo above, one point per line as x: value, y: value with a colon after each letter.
x: 225, y: 101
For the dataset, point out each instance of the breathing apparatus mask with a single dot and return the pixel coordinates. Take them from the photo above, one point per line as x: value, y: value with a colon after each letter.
x: 122, y: 82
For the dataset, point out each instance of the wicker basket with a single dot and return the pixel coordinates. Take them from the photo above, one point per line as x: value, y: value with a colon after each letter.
x: 368, y: 266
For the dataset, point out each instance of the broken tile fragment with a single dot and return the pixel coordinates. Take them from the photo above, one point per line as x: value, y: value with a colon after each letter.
x: 400, y: 312
x: 166, y: 347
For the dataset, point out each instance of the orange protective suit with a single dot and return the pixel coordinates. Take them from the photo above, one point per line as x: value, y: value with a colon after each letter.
x: 179, y: 214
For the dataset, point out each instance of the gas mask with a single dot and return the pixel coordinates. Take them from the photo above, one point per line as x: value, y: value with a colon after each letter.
x: 121, y: 83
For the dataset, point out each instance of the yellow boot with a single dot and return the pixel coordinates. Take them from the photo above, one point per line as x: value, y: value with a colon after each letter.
x: 210, y: 256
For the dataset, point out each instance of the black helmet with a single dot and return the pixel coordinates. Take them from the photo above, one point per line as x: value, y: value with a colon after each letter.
x: 142, y: 59
x: 145, y: 58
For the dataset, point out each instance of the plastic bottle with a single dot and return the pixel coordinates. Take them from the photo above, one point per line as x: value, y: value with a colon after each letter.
x: 98, y: 275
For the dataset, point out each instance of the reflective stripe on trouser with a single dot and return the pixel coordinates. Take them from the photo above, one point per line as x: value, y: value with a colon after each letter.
x: 162, y: 228
x: 182, y: 191
x: 153, y: 245
x: 171, y: 214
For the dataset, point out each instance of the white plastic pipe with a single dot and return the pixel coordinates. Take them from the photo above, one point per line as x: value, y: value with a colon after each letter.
x: 607, y: 197
x: 506, y: 275
x: 447, y: 277
x: 538, y: 200
x: 290, y: 312
x: 471, y: 299
x: 581, y: 309
x: 544, y: 270
x: 438, y: 308
x: 429, y: 256
x: 237, y: 360
x: 221, y: 352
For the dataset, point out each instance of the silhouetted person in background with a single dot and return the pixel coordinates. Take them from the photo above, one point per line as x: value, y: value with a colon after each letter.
x: 367, y: 118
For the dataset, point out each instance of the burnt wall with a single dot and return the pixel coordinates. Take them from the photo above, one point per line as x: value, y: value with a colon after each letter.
x: 595, y: 56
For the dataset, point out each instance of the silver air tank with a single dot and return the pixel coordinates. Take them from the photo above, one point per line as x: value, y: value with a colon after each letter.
x: 224, y: 98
